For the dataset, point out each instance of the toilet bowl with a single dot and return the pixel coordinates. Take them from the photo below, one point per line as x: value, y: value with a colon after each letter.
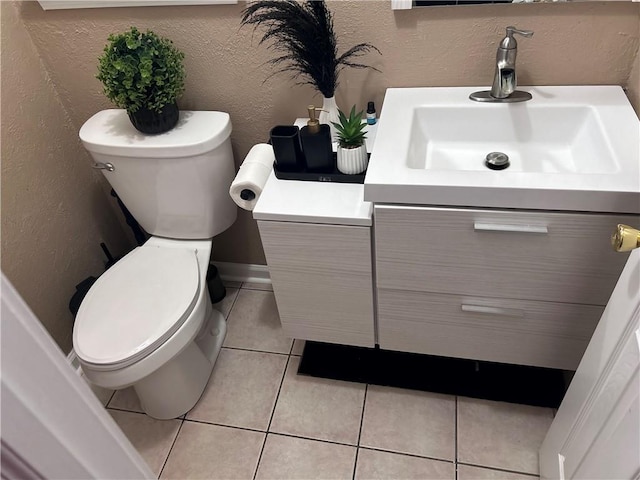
x: 167, y: 342
x: 148, y: 321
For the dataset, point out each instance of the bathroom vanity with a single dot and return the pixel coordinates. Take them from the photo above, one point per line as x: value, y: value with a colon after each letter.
x: 436, y: 255
x: 323, y: 278
x: 317, y: 239
x: 518, y: 287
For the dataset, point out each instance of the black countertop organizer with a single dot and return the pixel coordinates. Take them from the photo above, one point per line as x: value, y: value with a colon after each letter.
x: 334, y: 176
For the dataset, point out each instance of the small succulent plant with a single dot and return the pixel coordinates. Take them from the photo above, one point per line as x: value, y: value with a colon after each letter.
x: 350, y: 130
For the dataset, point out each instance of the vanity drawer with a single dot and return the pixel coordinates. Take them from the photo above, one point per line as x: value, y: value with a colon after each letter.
x: 523, y: 332
x: 322, y: 280
x: 560, y: 257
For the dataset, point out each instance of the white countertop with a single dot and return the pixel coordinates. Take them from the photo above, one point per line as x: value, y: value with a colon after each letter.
x: 344, y: 204
x: 315, y: 202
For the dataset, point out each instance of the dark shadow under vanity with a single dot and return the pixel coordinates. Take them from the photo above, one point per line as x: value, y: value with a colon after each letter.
x: 543, y: 387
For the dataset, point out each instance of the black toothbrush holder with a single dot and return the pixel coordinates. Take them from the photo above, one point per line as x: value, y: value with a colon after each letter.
x: 285, y: 140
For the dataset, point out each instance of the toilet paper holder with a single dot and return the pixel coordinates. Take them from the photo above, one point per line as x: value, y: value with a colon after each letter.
x: 247, y: 195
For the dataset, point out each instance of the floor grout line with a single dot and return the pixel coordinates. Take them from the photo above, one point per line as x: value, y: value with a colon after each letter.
x: 204, y: 422
x: 499, y: 469
x: 455, y: 461
x: 330, y: 442
x: 376, y: 449
x: 289, y: 435
x: 137, y: 412
x: 258, y: 351
x: 113, y: 394
x: 226, y: 319
x: 171, y: 449
x: 364, y: 405
x: 120, y: 409
x: 273, y: 411
x: 233, y: 304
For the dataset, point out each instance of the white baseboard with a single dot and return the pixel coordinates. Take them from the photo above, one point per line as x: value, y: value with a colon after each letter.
x: 243, y: 272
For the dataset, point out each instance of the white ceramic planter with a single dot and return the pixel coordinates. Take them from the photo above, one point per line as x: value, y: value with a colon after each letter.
x: 352, y: 160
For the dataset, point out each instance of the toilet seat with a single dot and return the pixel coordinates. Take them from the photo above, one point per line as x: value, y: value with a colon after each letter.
x: 135, y: 306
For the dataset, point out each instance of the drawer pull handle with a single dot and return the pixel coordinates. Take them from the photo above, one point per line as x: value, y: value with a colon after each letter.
x: 495, y: 227
x: 504, y: 312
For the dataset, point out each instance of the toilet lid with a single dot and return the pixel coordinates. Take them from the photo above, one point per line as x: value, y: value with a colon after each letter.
x: 136, y: 305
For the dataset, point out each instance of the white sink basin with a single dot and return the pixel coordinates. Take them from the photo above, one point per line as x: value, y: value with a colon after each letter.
x: 536, y: 139
x: 570, y: 148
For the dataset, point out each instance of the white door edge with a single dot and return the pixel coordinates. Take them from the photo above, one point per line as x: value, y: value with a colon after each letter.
x: 51, y: 420
x: 592, y: 409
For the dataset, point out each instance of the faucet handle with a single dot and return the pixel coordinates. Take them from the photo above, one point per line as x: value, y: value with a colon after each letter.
x: 524, y: 33
x: 509, y: 42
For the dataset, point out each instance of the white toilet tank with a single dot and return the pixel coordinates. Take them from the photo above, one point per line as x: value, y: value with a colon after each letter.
x: 175, y: 184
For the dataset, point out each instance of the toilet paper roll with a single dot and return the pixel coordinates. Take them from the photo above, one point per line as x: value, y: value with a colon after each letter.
x: 247, y: 187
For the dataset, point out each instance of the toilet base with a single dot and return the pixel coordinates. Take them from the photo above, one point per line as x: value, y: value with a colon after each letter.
x: 175, y: 388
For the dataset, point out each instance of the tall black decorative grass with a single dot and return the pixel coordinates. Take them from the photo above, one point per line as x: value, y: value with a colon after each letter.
x: 302, y: 35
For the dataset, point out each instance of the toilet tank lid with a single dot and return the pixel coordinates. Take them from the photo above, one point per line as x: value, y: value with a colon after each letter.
x: 111, y: 132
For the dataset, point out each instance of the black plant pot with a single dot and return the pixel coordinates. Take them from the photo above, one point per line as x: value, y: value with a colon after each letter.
x: 150, y: 121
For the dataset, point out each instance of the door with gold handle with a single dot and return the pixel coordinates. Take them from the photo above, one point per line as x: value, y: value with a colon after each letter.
x: 625, y: 238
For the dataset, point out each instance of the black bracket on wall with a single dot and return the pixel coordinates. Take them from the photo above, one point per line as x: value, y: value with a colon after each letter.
x: 138, y: 232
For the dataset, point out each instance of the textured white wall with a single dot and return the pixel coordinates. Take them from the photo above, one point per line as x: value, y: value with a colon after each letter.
x: 54, y: 208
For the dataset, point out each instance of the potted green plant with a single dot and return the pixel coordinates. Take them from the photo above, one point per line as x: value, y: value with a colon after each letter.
x: 302, y: 36
x: 352, y: 152
x: 143, y: 73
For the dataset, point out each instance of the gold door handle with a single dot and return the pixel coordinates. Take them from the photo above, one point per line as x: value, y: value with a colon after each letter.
x: 625, y: 238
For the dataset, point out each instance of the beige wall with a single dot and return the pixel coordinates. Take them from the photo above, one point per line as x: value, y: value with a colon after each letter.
x: 583, y: 43
x: 54, y: 208
x: 580, y: 43
x: 633, y: 84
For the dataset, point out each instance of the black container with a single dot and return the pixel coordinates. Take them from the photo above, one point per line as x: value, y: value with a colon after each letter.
x: 217, y: 291
x: 334, y: 176
x: 285, y: 140
x: 317, y: 149
x: 150, y: 121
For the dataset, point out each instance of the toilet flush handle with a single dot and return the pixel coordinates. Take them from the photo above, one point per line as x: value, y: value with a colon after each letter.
x: 104, y: 166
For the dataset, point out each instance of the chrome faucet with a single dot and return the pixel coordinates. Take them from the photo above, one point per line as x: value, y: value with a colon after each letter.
x: 505, y: 78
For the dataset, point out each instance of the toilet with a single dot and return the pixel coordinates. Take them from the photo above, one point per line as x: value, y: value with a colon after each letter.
x: 148, y: 321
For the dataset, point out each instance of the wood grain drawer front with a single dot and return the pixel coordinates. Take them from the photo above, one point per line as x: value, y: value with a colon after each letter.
x: 522, y: 332
x: 560, y: 257
x: 322, y: 280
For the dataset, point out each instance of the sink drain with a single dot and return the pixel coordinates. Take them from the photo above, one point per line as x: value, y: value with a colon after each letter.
x: 497, y: 161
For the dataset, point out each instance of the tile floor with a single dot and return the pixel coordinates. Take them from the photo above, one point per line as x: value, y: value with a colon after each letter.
x: 257, y: 419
